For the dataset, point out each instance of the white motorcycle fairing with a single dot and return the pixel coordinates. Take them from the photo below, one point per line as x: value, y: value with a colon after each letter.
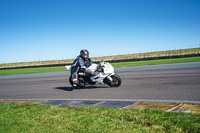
x: 68, y: 68
x: 105, y: 74
x: 108, y: 70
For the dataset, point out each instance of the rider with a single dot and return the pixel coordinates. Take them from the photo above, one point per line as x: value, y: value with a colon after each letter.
x: 81, y: 62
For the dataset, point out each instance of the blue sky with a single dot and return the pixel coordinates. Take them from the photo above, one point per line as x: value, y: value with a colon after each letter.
x: 32, y: 30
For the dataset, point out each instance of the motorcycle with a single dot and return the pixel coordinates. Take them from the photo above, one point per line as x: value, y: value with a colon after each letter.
x: 105, y: 75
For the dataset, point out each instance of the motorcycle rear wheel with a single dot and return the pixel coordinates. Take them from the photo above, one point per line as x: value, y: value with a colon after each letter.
x: 80, y: 85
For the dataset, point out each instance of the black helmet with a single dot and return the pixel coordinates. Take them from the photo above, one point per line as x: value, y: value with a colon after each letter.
x: 84, y: 54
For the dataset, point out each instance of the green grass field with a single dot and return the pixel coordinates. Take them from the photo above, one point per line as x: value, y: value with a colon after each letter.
x: 32, y: 70
x: 156, y: 62
x: 121, y: 64
x: 51, y: 119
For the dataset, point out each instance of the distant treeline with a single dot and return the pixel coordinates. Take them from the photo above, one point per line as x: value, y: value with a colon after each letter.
x: 118, y: 58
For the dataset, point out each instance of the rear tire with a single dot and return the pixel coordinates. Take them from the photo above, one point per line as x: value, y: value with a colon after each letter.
x: 70, y: 80
x: 116, y: 81
x: 80, y: 85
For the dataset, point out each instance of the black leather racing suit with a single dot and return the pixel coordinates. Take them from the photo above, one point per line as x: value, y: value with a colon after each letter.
x: 78, y: 64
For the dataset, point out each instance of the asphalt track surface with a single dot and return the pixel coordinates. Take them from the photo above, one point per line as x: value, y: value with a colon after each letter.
x: 170, y: 82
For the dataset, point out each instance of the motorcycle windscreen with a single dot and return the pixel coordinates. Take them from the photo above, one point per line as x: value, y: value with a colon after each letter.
x: 108, y: 68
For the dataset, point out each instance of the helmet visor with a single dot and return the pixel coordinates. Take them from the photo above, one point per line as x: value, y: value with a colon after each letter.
x: 85, y: 56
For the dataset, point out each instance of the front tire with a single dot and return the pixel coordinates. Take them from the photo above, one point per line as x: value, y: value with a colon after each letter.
x: 116, y: 81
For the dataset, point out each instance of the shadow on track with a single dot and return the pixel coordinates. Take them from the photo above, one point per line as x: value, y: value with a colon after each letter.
x: 72, y: 88
x: 64, y: 88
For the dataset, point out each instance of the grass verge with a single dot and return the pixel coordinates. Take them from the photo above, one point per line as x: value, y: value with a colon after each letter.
x: 121, y: 64
x: 156, y: 62
x: 32, y: 70
x: 46, y: 118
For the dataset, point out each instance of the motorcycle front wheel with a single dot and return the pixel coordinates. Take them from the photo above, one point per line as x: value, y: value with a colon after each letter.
x: 116, y: 81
